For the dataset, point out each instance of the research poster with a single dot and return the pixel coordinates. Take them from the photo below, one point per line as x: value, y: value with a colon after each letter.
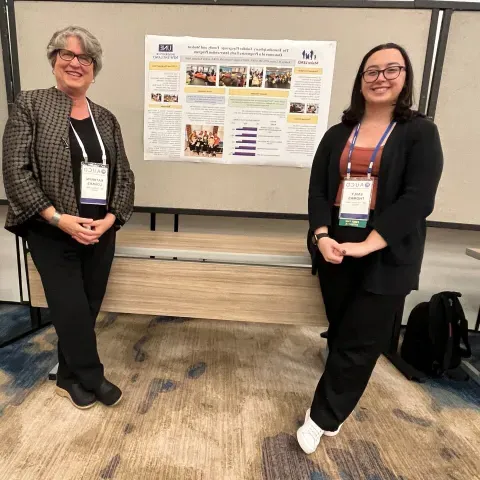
x: 231, y: 101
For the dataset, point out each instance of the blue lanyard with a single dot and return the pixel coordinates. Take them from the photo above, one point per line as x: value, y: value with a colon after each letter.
x: 374, y: 154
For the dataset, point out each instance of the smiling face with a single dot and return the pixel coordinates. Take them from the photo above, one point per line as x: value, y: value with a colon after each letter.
x: 387, y: 87
x: 73, y: 77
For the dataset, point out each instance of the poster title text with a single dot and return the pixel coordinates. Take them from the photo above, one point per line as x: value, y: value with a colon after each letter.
x: 235, y: 51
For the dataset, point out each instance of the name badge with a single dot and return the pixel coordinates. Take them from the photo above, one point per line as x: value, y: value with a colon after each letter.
x: 355, y: 204
x: 94, y: 184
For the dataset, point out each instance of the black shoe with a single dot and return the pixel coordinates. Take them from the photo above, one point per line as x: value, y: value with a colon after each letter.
x: 108, y: 393
x: 79, y: 397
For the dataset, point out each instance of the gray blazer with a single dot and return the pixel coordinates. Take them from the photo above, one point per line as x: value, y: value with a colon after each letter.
x: 37, y: 168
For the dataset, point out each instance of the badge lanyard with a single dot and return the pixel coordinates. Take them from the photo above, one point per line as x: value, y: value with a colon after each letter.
x: 357, y: 192
x: 374, y: 154
x: 100, y: 141
x: 94, y: 176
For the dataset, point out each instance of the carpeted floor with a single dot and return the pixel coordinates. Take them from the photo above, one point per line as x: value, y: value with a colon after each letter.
x: 222, y: 401
x: 15, y: 320
x: 475, y: 345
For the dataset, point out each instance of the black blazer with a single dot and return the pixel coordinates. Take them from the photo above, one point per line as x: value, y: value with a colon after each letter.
x: 410, y: 170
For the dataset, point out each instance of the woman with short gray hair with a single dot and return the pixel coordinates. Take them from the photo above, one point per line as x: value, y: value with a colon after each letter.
x: 70, y: 188
x: 90, y: 44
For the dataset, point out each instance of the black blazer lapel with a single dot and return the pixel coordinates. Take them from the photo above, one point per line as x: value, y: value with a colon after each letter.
x: 55, y: 126
x: 390, y: 166
x: 334, y: 177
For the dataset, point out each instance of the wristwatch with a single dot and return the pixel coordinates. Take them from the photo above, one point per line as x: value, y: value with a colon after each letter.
x: 55, y: 219
x: 317, y: 236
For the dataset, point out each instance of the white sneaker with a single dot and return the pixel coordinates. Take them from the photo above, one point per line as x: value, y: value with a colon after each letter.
x: 332, y: 434
x: 309, y: 435
x: 326, y: 432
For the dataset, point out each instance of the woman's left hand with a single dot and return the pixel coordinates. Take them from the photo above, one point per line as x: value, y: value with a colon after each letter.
x: 356, y: 250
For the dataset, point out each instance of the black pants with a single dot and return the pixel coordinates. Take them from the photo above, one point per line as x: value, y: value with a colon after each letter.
x: 360, y: 327
x: 74, y: 278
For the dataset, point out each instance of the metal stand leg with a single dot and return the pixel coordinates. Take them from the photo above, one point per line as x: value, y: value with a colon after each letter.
x: 471, y: 371
x: 36, y: 317
x: 52, y: 375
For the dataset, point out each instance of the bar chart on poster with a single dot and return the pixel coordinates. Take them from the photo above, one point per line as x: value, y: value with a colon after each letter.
x: 245, y: 141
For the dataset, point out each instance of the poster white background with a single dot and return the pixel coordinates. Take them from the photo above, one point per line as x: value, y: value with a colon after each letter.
x: 256, y: 102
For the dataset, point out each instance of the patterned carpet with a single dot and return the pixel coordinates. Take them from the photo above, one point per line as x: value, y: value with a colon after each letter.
x: 475, y: 345
x: 222, y: 401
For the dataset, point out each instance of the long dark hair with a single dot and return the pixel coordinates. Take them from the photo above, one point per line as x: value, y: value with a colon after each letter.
x: 403, y: 108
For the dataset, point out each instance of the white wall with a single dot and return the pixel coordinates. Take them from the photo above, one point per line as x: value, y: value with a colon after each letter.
x: 9, y: 287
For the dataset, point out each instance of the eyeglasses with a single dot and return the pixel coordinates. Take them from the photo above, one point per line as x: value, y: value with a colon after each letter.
x: 68, y: 56
x: 389, y: 73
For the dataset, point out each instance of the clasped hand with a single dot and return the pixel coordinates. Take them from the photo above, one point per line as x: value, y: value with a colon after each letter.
x: 85, y: 230
x: 334, y: 252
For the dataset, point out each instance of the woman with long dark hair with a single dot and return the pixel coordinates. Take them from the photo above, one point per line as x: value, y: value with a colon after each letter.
x: 373, y: 184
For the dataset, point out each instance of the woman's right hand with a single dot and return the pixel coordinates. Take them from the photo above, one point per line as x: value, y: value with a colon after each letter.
x: 78, y: 229
x: 331, y: 250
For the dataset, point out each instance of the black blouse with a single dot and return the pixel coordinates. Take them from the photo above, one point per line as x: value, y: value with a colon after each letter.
x: 86, y: 132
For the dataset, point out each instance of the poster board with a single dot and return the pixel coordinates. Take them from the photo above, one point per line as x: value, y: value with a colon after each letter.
x: 457, y: 119
x: 120, y: 86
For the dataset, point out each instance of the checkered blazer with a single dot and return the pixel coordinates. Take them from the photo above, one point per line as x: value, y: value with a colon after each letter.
x: 37, y: 169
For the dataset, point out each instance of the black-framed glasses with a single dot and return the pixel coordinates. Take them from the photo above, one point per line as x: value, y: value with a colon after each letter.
x: 389, y: 73
x: 68, y: 56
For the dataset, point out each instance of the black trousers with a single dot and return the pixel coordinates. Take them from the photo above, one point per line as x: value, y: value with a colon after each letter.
x: 360, y: 328
x: 74, y: 279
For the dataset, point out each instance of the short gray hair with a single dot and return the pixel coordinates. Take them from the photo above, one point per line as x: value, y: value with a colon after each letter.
x: 89, y: 42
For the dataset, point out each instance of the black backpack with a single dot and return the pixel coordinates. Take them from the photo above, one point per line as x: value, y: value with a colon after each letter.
x: 434, y: 331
